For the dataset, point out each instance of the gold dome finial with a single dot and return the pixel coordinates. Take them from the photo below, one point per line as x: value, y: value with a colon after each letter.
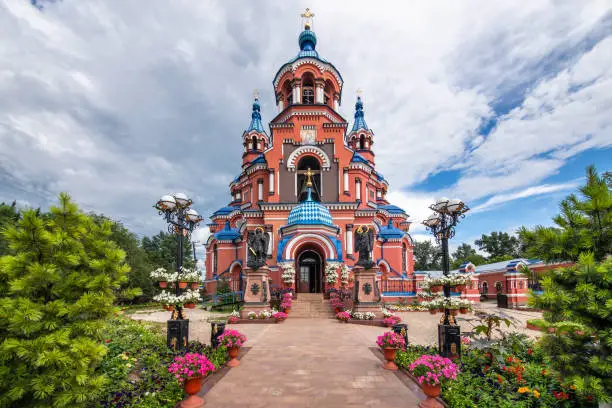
x: 307, y: 16
x: 309, y: 173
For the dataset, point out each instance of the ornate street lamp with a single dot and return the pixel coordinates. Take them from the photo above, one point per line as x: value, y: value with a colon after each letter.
x: 182, y: 220
x: 446, y: 215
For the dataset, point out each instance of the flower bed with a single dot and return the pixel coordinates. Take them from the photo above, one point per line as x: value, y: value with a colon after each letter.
x: 136, y: 365
x: 511, y: 373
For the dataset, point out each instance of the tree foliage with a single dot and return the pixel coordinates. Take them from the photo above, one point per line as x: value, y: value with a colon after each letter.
x: 57, y: 288
x: 465, y: 253
x: 499, y: 245
x: 427, y: 256
x: 578, y: 304
x: 162, y: 248
x: 584, y: 225
x: 9, y: 214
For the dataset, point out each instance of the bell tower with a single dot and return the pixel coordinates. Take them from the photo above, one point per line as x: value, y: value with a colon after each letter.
x: 361, y: 138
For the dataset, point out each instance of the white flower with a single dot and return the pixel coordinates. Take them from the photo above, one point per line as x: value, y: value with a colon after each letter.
x: 331, y: 272
x: 288, y: 274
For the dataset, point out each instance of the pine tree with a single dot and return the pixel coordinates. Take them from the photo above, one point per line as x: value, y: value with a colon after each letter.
x: 584, y: 225
x: 57, y: 287
x: 578, y: 304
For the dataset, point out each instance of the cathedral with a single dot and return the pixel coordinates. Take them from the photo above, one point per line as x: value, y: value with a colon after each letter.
x: 308, y: 183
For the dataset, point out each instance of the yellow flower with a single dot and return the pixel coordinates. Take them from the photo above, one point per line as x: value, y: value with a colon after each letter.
x: 128, y: 365
x: 536, y: 394
x: 523, y: 390
x: 573, y: 387
x: 124, y: 357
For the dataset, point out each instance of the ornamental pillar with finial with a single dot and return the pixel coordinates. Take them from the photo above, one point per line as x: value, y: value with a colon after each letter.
x: 361, y: 138
x: 254, y: 139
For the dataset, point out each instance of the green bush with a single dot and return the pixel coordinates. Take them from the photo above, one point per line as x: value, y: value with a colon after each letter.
x: 57, y: 287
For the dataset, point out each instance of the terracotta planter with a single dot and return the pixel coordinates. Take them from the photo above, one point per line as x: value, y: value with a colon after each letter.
x: 287, y: 310
x: 431, y: 391
x: 460, y: 288
x: 190, y: 305
x: 169, y: 307
x: 182, y: 285
x: 441, y: 309
x: 192, y: 387
x: 163, y: 284
x: 337, y: 309
x: 233, y: 354
x: 389, y: 354
x: 463, y: 310
x: 195, y: 285
x: 433, y: 311
x: 436, y: 288
x: 454, y: 312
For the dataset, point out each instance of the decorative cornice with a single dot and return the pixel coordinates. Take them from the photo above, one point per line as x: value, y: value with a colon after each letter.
x: 360, y: 166
x: 286, y: 117
x: 320, y: 153
x: 256, y: 167
x: 293, y: 66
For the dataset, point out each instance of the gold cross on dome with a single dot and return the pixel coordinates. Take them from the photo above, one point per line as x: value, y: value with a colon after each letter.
x: 359, y: 91
x: 256, y: 94
x: 309, y: 173
x: 307, y: 16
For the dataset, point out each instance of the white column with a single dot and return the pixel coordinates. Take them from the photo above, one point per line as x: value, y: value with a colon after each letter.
x: 358, y: 190
x: 270, y: 243
x: 297, y: 94
x: 336, y: 104
x: 260, y: 190
x: 251, y: 145
x: 346, y: 181
x: 271, y: 181
x: 319, y: 94
x: 281, y: 104
x: 349, y: 242
x: 378, y: 193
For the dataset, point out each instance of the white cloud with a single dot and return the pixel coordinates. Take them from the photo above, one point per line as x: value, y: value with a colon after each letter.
x: 528, y: 192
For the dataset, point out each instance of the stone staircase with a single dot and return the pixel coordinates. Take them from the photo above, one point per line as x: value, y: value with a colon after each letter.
x: 311, y: 305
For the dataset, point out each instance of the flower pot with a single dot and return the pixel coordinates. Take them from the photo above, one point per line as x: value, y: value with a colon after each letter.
x: 389, y: 354
x: 163, y: 284
x: 287, y: 310
x: 430, y: 390
x: 195, y: 285
x: 192, y: 387
x: 460, y: 288
x: 463, y: 310
x: 337, y: 309
x: 441, y: 309
x: 233, y: 354
x: 169, y: 307
x: 182, y: 285
x: 433, y: 311
x: 436, y: 288
x: 190, y: 305
x: 454, y: 312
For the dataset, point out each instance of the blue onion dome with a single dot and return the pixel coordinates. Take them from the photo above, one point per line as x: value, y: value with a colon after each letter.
x: 307, y: 40
x: 310, y: 212
x: 256, y: 118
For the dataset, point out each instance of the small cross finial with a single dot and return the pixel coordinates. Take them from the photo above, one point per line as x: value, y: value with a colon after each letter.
x: 256, y: 94
x: 307, y: 16
x: 359, y: 92
x: 309, y: 173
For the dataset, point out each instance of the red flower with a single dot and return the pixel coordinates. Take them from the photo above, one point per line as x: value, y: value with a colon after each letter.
x: 544, y: 372
x: 500, y: 379
x: 108, y: 340
x: 590, y: 398
x: 529, y: 351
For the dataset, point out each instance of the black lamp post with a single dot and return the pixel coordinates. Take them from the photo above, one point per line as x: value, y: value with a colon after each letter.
x: 181, y: 220
x: 441, y: 223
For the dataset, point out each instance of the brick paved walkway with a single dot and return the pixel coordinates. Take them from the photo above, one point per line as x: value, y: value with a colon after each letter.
x: 310, y: 363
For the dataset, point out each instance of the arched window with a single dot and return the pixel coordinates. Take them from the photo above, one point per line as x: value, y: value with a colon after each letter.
x: 485, y: 288
x: 308, y: 95
x: 215, y: 263
x: 328, y: 94
x: 361, y: 142
x: 254, y: 143
x: 288, y: 92
x: 306, y: 163
x: 404, y: 257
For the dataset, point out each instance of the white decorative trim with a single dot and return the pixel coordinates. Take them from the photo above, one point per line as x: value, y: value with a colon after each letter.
x: 322, y: 66
x: 320, y: 153
x: 288, y: 253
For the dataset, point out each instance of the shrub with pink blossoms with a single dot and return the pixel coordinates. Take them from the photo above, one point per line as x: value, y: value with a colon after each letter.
x: 391, y: 320
x: 286, y: 301
x: 391, y: 340
x: 191, y: 365
x: 434, y: 369
x: 232, y: 338
x: 343, y: 316
x: 279, y: 316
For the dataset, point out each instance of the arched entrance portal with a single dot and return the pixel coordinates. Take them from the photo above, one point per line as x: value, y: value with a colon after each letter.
x: 310, y: 272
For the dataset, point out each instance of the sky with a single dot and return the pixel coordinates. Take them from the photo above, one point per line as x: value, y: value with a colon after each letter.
x: 501, y: 104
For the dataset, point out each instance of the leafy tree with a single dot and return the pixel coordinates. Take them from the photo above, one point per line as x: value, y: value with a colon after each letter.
x: 161, y: 250
x: 465, y: 253
x: 584, y: 225
x: 427, y: 257
x: 57, y: 287
x: 9, y: 214
x: 577, y: 302
x: 499, y: 246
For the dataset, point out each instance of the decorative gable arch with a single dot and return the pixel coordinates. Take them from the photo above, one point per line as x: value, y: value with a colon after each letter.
x: 313, y: 150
